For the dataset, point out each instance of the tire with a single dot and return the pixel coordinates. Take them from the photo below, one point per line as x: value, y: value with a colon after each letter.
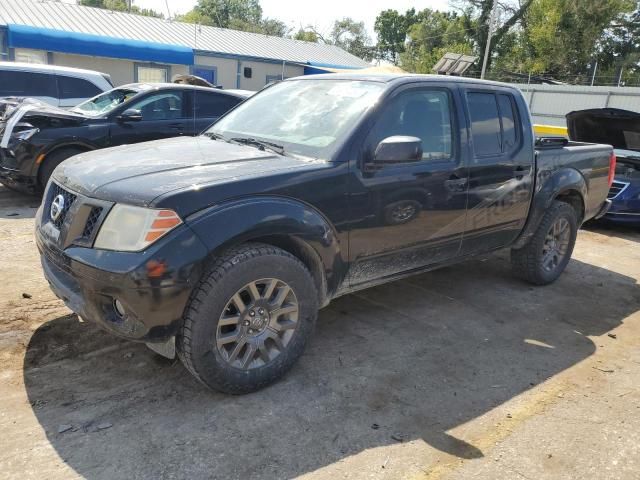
x: 52, y: 160
x: 215, y: 316
x: 536, y: 262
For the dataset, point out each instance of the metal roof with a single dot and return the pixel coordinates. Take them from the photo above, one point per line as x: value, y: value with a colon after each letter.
x: 96, y: 21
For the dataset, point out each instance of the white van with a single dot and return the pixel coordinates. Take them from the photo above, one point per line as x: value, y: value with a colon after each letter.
x: 60, y: 86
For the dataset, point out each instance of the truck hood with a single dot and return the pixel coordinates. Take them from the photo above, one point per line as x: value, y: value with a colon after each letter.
x: 612, y: 126
x: 142, y: 173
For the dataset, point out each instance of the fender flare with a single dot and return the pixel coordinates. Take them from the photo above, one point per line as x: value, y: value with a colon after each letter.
x: 561, y: 182
x: 263, y: 217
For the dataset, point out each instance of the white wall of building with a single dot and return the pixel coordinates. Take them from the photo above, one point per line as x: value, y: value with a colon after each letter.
x: 121, y: 71
x: 227, y: 71
x: 550, y: 103
x: 260, y: 71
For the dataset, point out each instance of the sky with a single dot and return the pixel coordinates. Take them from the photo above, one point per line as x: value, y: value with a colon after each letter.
x: 319, y: 13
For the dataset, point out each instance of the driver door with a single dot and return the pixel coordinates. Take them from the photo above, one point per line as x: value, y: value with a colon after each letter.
x: 406, y: 216
x: 165, y: 114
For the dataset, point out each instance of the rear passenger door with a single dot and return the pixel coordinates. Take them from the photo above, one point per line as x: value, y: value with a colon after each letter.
x: 73, y: 91
x: 500, y: 170
x: 209, y: 106
x: 41, y: 86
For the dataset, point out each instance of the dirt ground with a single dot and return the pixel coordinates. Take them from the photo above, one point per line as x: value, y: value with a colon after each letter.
x: 460, y: 373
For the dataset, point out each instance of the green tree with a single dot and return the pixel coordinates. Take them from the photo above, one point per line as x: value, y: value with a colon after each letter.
x: 620, y: 47
x: 227, y: 13
x: 564, y: 37
x: 352, y: 36
x: 307, y: 35
x: 120, y: 6
x: 392, y: 29
x: 477, y: 21
x: 432, y: 35
x: 245, y: 15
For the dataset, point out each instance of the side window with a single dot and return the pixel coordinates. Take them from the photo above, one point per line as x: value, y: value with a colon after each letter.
x: 209, y: 105
x: 425, y: 114
x: 27, y: 84
x: 508, y: 119
x: 161, y: 106
x: 71, y: 87
x: 485, y: 123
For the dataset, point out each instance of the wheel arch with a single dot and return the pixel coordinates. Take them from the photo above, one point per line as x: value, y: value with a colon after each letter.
x: 567, y: 185
x: 74, y: 145
x: 285, y: 223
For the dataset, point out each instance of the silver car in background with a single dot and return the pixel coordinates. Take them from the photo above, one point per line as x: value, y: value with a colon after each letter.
x: 62, y: 87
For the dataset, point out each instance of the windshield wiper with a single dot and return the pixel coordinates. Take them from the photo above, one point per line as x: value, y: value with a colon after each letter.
x: 216, y: 136
x: 260, y: 144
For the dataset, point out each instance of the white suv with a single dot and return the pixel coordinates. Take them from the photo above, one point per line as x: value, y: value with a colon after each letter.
x: 60, y: 86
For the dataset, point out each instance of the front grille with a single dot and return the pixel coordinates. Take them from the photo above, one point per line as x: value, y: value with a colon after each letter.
x: 616, y: 189
x: 56, y: 190
x: 92, y: 222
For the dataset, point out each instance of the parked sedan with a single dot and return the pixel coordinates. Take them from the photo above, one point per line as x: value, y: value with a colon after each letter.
x: 620, y: 128
x: 36, y: 137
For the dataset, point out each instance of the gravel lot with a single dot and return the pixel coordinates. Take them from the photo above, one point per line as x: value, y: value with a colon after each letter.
x: 460, y: 373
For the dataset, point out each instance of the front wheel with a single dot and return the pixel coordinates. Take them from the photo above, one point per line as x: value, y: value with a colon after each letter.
x: 543, y: 259
x: 249, y: 320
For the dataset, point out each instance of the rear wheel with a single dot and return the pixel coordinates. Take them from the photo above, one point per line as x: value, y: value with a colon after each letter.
x: 52, y: 160
x: 249, y: 320
x: 543, y: 259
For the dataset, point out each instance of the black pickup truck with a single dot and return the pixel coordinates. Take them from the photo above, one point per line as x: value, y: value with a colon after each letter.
x: 222, y: 248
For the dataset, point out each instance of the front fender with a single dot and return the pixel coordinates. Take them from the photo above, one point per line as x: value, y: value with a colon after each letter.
x: 247, y: 219
x: 66, y: 142
x: 549, y: 186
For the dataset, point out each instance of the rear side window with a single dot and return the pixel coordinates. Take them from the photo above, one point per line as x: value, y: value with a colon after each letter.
x: 71, y: 87
x: 508, y: 119
x: 485, y: 123
x: 208, y: 105
x: 27, y: 84
x: 494, y: 125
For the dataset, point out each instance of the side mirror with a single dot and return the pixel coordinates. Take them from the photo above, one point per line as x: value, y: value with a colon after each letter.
x: 398, y: 149
x: 131, y: 115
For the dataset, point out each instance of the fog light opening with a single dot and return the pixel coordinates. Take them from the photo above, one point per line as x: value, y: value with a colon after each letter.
x: 119, y: 308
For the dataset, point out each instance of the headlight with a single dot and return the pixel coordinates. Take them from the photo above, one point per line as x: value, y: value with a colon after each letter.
x: 131, y: 229
x: 26, y: 131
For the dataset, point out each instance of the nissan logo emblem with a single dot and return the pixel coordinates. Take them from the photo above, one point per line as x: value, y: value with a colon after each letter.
x: 57, y: 206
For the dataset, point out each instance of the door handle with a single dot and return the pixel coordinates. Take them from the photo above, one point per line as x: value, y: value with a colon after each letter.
x: 521, y: 170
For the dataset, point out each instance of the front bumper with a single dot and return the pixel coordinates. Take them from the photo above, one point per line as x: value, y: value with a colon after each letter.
x: 153, y: 286
x: 625, y: 206
x: 16, y: 174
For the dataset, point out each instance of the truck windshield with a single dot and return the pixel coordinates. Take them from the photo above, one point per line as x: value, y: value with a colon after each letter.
x: 305, y: 117
x: 105, y: 102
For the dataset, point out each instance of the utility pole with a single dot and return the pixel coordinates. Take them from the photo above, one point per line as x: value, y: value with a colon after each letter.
x: 487, y: 47
x: 129, y: 6
x: 595, y: 70
x: 620, y: 76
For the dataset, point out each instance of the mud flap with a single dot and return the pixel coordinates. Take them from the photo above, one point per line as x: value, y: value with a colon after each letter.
x: 166, y: 349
